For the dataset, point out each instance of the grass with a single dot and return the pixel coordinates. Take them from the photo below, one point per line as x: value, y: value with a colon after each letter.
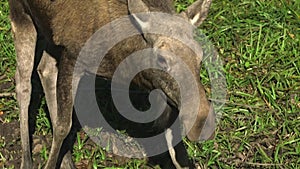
x: 260, y: 47
x: 7, y: 64
x: 259, y: 42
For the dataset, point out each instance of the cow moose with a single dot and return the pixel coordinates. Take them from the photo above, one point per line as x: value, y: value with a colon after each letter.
x: 58, y: 29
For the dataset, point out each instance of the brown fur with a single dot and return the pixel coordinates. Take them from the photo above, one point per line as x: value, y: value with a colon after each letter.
x: 66, y: 25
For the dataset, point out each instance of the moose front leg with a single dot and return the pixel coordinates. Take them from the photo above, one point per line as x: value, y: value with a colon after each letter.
x: 25, y: 37
x: 62, y: 118
x: 48, y: 73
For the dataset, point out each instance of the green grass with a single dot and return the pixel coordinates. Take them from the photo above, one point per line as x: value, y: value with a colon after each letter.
x: 7, y: 63
x: 259, y: 42
x: 7, y: 53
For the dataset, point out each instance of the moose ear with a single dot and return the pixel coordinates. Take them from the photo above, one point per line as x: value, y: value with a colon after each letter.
x: 137, y: 9
x: 197, y: 12
x: 137, y: 6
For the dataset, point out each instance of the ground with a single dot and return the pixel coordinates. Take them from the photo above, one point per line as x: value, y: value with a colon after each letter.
x: 259, y: 44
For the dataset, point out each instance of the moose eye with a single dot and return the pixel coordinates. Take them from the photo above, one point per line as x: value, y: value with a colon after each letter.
x: 162, y: 62
x: 161, y: 59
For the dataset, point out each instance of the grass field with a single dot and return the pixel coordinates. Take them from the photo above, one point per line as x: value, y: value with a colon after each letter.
x: 259, y: 42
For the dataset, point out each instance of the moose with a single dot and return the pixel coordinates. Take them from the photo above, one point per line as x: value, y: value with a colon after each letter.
x: 58, y: 30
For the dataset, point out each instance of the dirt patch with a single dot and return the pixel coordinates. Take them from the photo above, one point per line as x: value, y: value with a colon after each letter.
x: 10, y: 146
x: 10, y: 143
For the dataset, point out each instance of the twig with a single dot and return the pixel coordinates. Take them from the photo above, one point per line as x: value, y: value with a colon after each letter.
x: 7, y: 94
x: 263, y: 164
x: 237, y: 104
x: 2, y: 77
